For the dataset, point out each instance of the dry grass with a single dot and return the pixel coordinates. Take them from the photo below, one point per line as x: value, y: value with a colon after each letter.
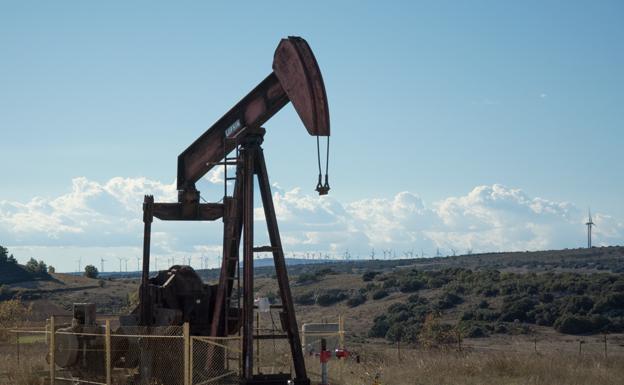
x: 417, y: 367
x: 476, y: 368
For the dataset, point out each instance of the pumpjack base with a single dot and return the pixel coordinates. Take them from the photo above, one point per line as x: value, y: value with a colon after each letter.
x: 275, y: 379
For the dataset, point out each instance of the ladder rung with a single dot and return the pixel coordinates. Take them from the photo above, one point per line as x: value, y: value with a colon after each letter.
x: 263, y: 249
x: 226, y: 163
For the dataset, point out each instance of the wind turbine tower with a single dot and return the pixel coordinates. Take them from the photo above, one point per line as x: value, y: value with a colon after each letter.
x: 589, y: 225
x: 102, y: 260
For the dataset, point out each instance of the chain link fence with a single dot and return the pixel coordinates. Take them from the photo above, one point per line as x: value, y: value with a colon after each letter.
x: 215, y: 360
x: 57, y: 353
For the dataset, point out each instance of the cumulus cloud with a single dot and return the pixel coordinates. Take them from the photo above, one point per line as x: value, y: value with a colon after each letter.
x: 104, y: 220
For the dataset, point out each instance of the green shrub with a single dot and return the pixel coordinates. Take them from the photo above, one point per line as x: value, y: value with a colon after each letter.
x: 356, y: 300
x: 380, y: 327
x: 305, y: 298
x: 571, y: 324
x: 331, y: 297
x: 370, y: 275
x: 410, y: 284
x: 475, y: 331
x: 449, y: 300
x: 390, y: 283
x: 307, y: 278
x: 517, y: 309
x: 379, y: 294
x: 91, y: 271
x: 417, y: 300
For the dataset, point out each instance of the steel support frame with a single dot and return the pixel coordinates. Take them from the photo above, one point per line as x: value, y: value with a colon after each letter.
x: 238, y: 218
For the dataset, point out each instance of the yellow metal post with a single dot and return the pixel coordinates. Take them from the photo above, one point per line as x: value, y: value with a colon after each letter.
x: 341, y: 331
x: 52, y: 349
x: 107, y: 343
x: 187, y: 353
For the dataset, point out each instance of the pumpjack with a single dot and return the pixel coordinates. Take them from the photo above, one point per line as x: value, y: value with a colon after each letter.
x: 178, y: 294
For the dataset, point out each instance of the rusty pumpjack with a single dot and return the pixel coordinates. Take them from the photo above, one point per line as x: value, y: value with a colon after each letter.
x: 296, y: 78
x: 178, y: 295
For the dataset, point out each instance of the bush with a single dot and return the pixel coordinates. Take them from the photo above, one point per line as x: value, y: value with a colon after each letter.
x: 5, y: 292
x: 417, y: 300
x: 475, y: 331
x: 307, y: 278
x: 449, y: 300
x: 12, y: 313
x: 91, y: 271
x: 410, y: 284
x: 331, y: 297
x: 612, y: 304
x: 305, y: 298
x: 34, y: 267
x: 379, y: 294
x: 517, y: 309
x: 483, y: 304
x: 390, y: 283
x: 571, y: 324
x: 370, y: 275
x: 356, y: 300
x: 380, y: 327
x: 434, y: 333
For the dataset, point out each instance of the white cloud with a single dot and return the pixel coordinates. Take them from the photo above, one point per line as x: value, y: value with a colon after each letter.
x: 104, y: 219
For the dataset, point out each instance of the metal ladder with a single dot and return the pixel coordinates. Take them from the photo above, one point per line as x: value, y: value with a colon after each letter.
x: 233, y: 296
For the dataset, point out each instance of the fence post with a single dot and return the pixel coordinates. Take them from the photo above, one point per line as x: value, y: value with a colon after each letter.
x: 605, y: 345
x: 17, y: 346
x: 52, y: 349
x: 341, y: 331
x: 187, y: 350
x: 107, y: 346
x: 535, y: 344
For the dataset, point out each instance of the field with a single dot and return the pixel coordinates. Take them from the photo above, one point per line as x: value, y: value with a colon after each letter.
x: 454, y: 320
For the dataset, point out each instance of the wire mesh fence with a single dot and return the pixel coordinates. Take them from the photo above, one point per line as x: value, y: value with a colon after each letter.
x: 215, y: 360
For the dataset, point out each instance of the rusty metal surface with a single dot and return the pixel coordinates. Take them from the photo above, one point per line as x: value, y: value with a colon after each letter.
x: 296, y: 68
x: 248, y: 154
x: 280, y: 269
x: 144, y: 294
x: 296, y: 78
x: 179, y: 212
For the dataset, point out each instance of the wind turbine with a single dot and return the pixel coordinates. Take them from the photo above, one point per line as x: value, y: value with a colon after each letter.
x: 589, y: 225
x: 138, y: 259
x: 120, y: 259
x: 79, y: 260
x: 438, y: 252
x: 102, y: 260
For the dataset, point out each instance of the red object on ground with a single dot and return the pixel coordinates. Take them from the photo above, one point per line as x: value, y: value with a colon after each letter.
x: 342, y: 353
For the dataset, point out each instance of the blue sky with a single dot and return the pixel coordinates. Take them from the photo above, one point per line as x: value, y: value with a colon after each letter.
x: 512, y: 102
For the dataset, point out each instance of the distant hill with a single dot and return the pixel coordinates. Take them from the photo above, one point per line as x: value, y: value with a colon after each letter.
x: 13, y: 272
